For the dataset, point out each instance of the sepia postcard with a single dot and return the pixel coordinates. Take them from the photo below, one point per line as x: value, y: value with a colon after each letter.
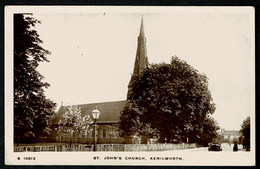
x: 121, y: 85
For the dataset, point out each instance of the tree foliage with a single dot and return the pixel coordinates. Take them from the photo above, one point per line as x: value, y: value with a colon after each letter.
x: 33, y: 112
x: 172, y: 100
x: 112, y: 132
x: 209, y: 132
x: 245, y: 130
x: 72, y: 125
x: 131, y: 124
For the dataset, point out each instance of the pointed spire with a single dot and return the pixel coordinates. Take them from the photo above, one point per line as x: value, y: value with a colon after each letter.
x: 141, y: 61
x: 142, y: 28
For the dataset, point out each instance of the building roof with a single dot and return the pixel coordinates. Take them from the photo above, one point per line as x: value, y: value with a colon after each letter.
x: 231, y: 132
x: 109, y: 111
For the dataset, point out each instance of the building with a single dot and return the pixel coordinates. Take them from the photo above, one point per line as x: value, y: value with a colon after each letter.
x: 107, y: 130
x: 106, y: 124
x: 230, y: 135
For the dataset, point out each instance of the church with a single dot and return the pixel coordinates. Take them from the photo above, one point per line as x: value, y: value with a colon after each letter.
x: 108, y: 121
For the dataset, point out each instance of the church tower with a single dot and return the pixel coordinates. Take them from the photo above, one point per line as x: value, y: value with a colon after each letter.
x: 141, y: 61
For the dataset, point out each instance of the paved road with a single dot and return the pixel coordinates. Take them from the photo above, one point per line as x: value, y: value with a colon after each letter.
x: 225, y: 148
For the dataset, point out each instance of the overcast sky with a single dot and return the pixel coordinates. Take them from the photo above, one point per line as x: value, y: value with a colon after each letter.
x: 93, y: 52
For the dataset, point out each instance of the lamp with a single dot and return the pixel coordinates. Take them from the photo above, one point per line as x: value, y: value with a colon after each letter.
x: 95, y: 114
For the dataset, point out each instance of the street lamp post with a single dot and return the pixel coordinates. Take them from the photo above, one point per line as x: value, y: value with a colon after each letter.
x: 95, y: 114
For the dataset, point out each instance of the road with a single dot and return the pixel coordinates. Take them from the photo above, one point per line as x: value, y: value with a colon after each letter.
x: 226, y: 157
x: 225, y: 148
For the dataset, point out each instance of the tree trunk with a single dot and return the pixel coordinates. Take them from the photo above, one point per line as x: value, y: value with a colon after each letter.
x: 18, y: 141
x: 168, y: 138
x: 162, y: 138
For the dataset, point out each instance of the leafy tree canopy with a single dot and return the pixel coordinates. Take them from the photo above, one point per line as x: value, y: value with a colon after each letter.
x: 33, y: 112
x: 72, y: 124
x: 245, y: 130
x: 172, y: 100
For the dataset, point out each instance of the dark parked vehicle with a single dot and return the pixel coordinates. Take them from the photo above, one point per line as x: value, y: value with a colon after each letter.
x: 215, y: 147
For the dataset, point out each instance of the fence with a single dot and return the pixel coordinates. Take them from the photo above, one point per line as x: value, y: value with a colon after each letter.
x: 106, y: 147
x: 144, y: 147
x: 53, y: 148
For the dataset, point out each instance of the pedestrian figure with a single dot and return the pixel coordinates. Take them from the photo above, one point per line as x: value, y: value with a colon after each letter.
x: 235, y: 148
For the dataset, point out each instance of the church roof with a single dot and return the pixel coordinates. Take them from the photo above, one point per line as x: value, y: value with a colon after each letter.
x: 109, y: 111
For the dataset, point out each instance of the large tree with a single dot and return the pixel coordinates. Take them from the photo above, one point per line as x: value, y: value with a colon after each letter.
x: 33, y: 112
x: 172, y: 99
x: 245, y: 130
x: 73, y: 124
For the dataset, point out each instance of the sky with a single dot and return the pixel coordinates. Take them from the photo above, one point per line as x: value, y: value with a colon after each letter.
x: 93, y: 52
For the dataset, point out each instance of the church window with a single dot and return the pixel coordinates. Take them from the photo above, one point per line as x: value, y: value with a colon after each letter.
x: 104, y: 133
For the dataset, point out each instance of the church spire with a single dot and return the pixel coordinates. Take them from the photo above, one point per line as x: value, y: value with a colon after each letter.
x: 141, y: 55
x: 142, y: 28
x: 141, y: 61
